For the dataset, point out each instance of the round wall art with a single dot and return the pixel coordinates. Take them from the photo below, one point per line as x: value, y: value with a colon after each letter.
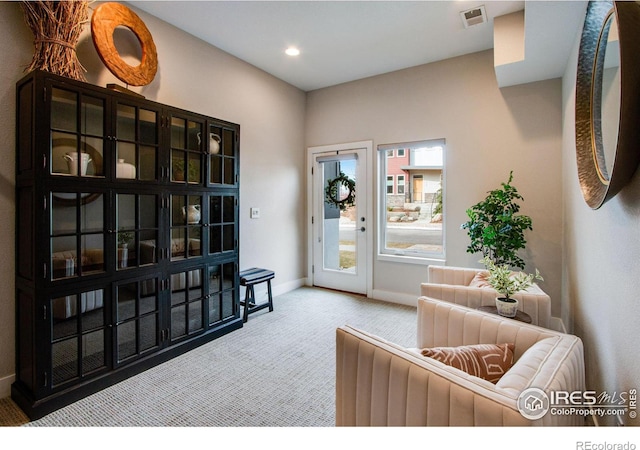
x: 106, y: 18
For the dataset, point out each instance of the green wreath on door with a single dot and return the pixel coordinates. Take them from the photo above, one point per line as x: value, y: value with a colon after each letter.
x: 332, y: 192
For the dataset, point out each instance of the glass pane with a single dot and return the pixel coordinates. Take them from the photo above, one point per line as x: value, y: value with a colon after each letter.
x: 214, y: 309
x: 63, y: 213
x: 63, y: 145
x: 64, y: 360
x: 339, y: 227
x: 92, y: 116
x: 228, y: 143
x: 63, y: 257
x: 178, y: 250
x: 227, y: 304
x: 216, y: 169
x: 229, y: 273
x: 178, y: 159
x: 64, y: 107
x: 229, y: 173
x: 191, y: 212
x: 148, y: 303
x: 148, y: 211
x: 215, y: 281
x: 126, y: 336
x: 91, y: 214
x: 195, y: 284
x: 91, y: 158
x: 412, y: 206
x: 194, y: 241
x: 178, y: 210
x: 215, y: 239
x: 65, y: 324
x: 148, y: 241
x: 126, y: 126
x: 126, y: 308
x: 92, y: 307
x: 148, y: 120
x: 228, y: 238
x: 148, y: 163
x: 215, y: 209
x: 126, y: 164
x: 92, y: 253
x: 126, y: 211
x: 178, y: 132
x: 195, y: 316
x: 195, y: 136
x: 93, y: 354
x: 178, y: 321
x: 194, y: 168
x: 229, y: 209
x: 148, y: 332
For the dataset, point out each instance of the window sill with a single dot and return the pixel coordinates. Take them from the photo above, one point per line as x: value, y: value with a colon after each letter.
x: 412, y: 259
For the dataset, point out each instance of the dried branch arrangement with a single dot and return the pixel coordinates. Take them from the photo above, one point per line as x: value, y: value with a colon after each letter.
x: 56, y: 27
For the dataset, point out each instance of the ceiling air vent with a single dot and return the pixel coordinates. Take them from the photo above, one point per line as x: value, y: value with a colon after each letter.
x: 473, y: 16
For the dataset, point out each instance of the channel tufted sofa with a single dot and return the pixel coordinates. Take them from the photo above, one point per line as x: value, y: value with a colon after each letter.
x: 455, y: 285
x: 379, y: 383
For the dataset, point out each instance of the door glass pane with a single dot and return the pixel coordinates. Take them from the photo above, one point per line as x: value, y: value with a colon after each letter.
x: 126, y: 122
x: 339, y: 210
x: 92, y: 116
x: 148, y: 121
x: 64, y: 106
x: 126, y: 159
x: 148, y: 162
x: 62, y: 146
x: 90, y: 160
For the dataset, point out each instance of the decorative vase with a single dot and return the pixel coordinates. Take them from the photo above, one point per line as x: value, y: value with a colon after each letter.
x: 191, y: 213
x: 507, y: 307
x: 125, y: 170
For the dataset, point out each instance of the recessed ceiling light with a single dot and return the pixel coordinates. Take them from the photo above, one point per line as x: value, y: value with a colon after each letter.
x: 292, y: 51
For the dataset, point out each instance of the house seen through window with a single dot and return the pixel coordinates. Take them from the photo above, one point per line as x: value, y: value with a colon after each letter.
x: 411, y: 205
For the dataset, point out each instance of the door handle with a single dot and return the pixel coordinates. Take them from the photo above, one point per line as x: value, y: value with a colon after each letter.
x: 362, y: 229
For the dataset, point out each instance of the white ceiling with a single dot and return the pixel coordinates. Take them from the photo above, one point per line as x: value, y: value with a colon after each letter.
x: 342, y: 41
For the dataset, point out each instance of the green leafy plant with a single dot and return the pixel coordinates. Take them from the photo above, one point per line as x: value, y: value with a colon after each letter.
x: 124, y: 237
x: 505, y: 282
x: 495, y: 228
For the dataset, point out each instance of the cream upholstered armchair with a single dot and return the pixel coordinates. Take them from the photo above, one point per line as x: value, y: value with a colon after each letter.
x: 457, y: 285
x: 379, y: 383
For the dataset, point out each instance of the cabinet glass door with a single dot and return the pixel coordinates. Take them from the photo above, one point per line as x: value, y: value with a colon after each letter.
x: 137, y: 318
x: 78, y: 335
x: 222, y: 223
x: 76, y: 234
x: 186, y: 151
x: 137, y: 225
x: 137, y: 143
x: 222, y: 156
x: 77, y: 134
x: 187, y: 303
x: 186, y: 226
x: 222, y: 292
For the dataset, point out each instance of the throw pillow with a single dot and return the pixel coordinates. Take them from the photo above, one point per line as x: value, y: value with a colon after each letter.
x: 480, y: 280
x: 486, y: 361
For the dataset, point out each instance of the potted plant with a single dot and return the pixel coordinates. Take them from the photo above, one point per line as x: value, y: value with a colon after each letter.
x: 124, y: 237
x: 507, y: 283
x: 495, y: 228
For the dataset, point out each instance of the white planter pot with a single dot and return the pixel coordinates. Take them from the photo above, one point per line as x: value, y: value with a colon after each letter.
x: 507, y: 309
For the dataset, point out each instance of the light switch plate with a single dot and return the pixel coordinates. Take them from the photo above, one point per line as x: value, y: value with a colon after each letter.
x: 255, y: 213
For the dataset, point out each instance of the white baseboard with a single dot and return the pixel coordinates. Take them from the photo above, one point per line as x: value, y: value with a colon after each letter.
x: 394, y: 297
x: 5, y: 385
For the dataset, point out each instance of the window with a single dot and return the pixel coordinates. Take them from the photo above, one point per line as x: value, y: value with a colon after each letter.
x: 389, y: 153
x: 390, y: 184
x: 412, y: 215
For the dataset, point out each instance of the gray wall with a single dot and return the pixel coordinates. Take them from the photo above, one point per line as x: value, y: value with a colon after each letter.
x: 488, y: 131
x: 198, y: 77
x: 601, y: 276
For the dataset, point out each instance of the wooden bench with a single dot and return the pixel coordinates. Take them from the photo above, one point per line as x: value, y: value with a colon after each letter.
x: 249, y: 278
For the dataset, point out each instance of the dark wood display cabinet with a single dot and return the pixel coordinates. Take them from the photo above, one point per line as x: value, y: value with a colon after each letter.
x: 127, y: 237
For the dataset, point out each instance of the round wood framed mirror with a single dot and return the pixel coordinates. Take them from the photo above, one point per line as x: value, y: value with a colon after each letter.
x: 608, y: 99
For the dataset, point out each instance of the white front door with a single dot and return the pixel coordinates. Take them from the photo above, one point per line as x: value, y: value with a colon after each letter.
x: 340, y: 218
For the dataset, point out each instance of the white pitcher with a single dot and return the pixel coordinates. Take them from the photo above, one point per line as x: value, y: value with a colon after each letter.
x: 191, y: 213
x: 214, y: 143
x: 72, y: 162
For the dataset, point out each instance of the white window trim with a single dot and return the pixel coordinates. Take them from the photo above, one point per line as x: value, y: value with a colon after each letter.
x: 418, y: 258
x: 404, y: 184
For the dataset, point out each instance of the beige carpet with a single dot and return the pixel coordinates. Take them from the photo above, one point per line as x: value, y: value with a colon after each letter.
x: 277, y: 371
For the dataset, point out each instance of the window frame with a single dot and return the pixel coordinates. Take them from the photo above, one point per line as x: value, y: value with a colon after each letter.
x: 421, y: 257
